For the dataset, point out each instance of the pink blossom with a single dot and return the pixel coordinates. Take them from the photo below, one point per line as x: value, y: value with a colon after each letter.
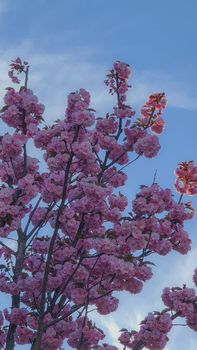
x: 149, y: 146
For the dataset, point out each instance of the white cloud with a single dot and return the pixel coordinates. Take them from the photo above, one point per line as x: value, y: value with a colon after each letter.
x: 53, y: 76
x: 183, y: 269
x: 113, y: 330
x: 178, y: 94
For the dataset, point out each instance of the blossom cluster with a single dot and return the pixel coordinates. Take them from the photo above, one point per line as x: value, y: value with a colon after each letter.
x: 186, y: 178
x: 184, y: 302
x: 22, y: 111
x: 117, y: 80
x: 17, y: 67
x: 151, y: 113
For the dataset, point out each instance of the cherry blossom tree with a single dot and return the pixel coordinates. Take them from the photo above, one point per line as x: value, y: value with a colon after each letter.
x: 75, y: 242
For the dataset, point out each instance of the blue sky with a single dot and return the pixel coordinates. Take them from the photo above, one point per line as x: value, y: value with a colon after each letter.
x: 71, y: 44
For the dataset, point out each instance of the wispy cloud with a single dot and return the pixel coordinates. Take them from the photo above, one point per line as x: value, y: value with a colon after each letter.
x: 122, y: 318
x: 53, y: 76
x: 112, y: 329
x: 179, y: 94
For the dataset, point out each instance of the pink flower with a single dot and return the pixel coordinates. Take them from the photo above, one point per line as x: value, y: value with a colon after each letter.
x: 148, y: 146
x: 158, y: 125
x: 186, y: 181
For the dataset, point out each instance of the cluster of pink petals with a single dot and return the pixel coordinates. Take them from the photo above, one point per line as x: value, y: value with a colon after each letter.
x: 117, y: 81
x: 151, y: 113
x: 17, y: 66
x: 186, y: 178
x: 22, y: 111
x: 184, y: 302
